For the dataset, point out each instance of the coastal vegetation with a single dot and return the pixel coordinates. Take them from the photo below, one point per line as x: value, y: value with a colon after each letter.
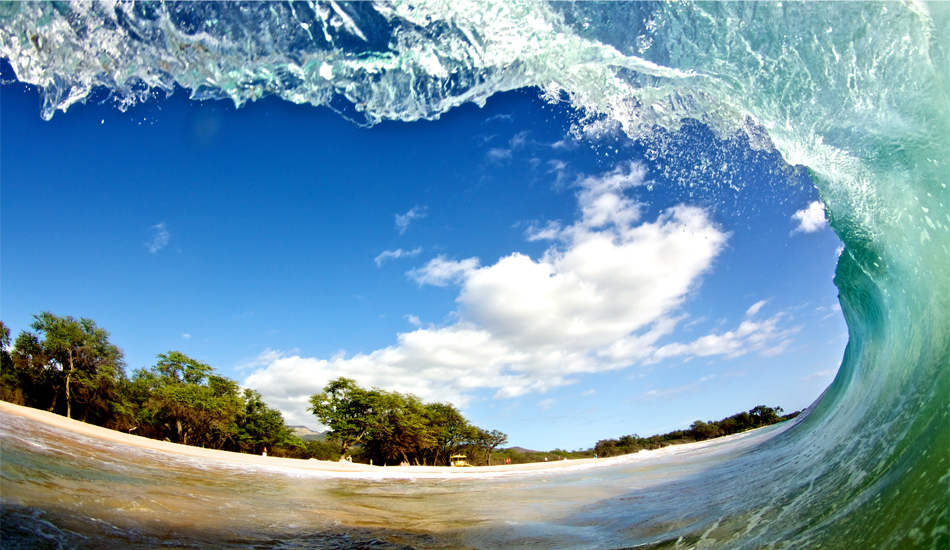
x: 396, y: 428
x: 758, y: 417
x: 70, y: 367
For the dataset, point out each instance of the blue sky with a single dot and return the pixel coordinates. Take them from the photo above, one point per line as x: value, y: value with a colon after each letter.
x: 561, y: 287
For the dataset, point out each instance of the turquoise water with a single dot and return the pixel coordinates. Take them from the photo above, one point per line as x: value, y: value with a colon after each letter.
x: 855, y: 92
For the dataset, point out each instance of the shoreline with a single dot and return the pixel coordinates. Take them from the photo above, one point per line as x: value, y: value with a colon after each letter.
x: 98, y: 432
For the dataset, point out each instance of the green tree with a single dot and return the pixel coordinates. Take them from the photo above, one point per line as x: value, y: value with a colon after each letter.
x: 450, y: 430
x: 4, y: 343
x: 490, y: 440
x: 701, y: 430
x: 727, y: 426
x: 72, y: 357
x: 35, y: 383
x: 260, y: 426
x: 9, y: 380
x: 346, y: 409
x: 178, y: 367
x: 399, y: 430
x: 189, y: 404
x: 181, y: 399
x: 743, y: 421
x: 765, y: 416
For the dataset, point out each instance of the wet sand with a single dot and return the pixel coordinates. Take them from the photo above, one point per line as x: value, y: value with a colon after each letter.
x: 89, y: 430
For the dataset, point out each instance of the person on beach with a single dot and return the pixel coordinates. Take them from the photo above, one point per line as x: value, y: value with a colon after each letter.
x: 265, y: 452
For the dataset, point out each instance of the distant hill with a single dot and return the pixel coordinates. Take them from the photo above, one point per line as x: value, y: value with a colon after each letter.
x: 522, y: 450
x: 307, y: 434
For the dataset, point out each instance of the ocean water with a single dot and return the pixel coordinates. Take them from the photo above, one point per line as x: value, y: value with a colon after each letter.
x: 855, y: 92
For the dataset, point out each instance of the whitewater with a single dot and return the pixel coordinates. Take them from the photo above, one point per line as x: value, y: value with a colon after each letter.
x: 858, y: 93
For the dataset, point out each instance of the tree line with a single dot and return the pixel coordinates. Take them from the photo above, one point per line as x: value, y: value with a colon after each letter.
x: 69, y: 367
x: 758, y: 417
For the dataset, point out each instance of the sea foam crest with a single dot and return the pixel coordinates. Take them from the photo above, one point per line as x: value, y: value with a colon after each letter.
x: 398, y: 61
x: 395, y: 61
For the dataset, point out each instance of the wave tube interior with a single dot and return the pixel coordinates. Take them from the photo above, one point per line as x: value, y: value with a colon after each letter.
x: 855, y: 92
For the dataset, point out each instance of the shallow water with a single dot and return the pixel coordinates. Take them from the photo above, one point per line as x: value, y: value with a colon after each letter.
x: 855, y: 92
x: 99, y: 489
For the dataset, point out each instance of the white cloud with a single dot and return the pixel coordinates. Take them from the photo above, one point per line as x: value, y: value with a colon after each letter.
x: 496, y: 153
x: 567, y: 144
x: 403, y: 220
x: 516, y: 142
x: 777, y: 349
x: 695, y: 322
x: 160, y: 237
x: 267, y: 357
x: 810, y: 219
x: 186, y: 336
x: 602, y: 202
x: 413, y: 320
x: 549, y: 232
x: 441, y: 272
x: 762, y: 336
x: 631, y: 175
x: 395, y: 255
x: 560, y: 171
x: 755, y: 308
x: 505, y: 117
x: 598, y: 299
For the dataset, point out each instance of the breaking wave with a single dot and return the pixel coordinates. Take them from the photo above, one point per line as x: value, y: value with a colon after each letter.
x: 855, y: 92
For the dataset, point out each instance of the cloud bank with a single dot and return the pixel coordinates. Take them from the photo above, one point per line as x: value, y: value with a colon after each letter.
x: 608, y: 288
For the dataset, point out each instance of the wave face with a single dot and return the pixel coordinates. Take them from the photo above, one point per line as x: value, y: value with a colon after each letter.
x: 855, y: 92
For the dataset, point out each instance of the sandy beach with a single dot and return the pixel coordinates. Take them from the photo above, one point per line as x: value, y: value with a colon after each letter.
x: 89, y: 430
